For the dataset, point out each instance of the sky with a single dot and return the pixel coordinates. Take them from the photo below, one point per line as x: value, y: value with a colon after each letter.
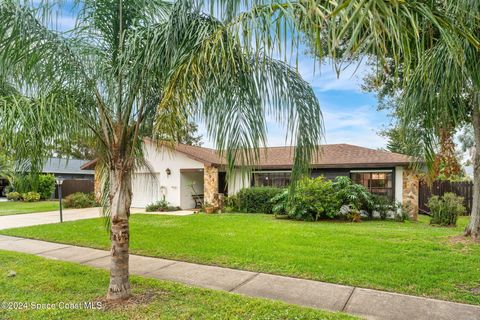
x: 350, y: 115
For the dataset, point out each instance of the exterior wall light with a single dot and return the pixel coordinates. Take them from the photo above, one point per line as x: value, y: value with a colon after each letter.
x: 168, y: 171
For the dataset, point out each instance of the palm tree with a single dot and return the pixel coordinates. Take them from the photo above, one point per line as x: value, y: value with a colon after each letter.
x: 444, y: 91
x: 128, y: 64
x: 133, y: 64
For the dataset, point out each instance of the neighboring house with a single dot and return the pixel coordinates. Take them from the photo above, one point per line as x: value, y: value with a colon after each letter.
x: 74, y: 178
x: 175, y: 170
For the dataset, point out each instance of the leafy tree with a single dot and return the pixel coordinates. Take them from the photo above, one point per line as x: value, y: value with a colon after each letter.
x: 130, y: 63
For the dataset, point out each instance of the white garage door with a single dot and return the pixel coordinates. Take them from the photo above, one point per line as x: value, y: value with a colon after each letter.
x: 145, y: 190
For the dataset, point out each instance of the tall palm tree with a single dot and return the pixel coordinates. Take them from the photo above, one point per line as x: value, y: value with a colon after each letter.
x: 128, y: 63
x: 444, y: 91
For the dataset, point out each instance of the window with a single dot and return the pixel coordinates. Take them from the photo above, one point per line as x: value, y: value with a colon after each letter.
x: 278, y: 179
x: 380, y: 183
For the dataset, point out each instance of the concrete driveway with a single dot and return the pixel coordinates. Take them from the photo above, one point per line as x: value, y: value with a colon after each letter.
x: 33, y: 219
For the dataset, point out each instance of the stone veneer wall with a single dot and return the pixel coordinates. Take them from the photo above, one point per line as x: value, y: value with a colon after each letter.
x: 210, y: 184
x: 410, y: 192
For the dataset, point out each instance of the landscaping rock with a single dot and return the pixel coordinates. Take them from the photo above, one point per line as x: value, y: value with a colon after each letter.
x: 364, y: 214
x: 344, y: 210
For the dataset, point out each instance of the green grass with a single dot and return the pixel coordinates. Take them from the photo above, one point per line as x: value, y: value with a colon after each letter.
x: 10, y: 207
x: 42, y: 281
x: 411, y: 258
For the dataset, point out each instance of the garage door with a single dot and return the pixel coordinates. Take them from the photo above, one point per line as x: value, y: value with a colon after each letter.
x: 145, y: 190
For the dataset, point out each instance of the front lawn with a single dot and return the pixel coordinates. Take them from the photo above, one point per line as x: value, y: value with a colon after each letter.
x: 412, y: 258
x: 18, y: 207
x: 41, y: 282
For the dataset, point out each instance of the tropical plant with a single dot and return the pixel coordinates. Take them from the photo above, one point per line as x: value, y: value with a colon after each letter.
x: 349, y: 193
x: 130, y: 65
x: 314, y: 199
x: 161, y: 205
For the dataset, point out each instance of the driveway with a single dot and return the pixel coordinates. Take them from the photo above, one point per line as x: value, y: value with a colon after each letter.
x: 32, y: 219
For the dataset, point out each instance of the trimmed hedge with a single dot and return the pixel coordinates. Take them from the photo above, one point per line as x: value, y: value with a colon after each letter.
x: 256, y: 199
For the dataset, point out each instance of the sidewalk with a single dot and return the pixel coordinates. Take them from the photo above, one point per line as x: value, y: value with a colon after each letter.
x: 33, y: 219
x: 371, y: 304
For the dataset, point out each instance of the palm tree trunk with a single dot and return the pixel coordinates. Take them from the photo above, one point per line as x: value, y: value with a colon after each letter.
x: 120, y: 201
x: 473, y: 228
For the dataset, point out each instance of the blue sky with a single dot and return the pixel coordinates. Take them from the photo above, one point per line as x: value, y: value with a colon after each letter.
x: 350, y: 115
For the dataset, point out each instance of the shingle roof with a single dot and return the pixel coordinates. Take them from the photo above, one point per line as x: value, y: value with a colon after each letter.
x: 329, y: 156
x: 64, y: 166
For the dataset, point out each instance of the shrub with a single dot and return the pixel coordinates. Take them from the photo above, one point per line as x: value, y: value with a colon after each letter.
x: 24, y: 183
x: 256, y: 199
x: 231, y: 202
x: 314, y: 199
x: 15, y: 196
x: 446, y: 209
x: 31, y: 196
x: 80, y: 200
x: 402, y: 212
x: 382, y: 205
x: 352, y: 194
x: 161, y: 205
x: 46, y: 185
x: 280, y: 203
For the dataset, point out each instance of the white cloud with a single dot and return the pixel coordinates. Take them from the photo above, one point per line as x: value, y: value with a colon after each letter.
x: 324, y: 77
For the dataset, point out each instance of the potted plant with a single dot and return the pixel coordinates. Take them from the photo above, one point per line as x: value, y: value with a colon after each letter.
x: 208, y: 208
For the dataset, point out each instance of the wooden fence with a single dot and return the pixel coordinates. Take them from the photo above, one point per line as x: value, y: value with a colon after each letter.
x: 72, y: 186
x: 438, y: 188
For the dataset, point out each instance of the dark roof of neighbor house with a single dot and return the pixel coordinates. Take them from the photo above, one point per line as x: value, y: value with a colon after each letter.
x: 64, y: 166
x: 329, y: 156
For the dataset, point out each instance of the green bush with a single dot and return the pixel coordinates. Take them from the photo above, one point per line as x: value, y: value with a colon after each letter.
x: 352, y: 194
x: 31, y: 196
x: 15, y: 196
x: 280, y: 203
x: 256, y: 199
x: 446, y: 209
x: 314, y: 199
x: 382, y: 205
x: 161, y: 205
x: 23, y: 183
x: 80, y: 200
x: 46, y: 185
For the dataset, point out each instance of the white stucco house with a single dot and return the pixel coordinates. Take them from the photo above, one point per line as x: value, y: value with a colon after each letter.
x: 177, y: 169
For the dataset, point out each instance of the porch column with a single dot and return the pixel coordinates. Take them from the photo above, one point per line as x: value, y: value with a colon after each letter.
x: 410, y: 192
x: 210, y: 183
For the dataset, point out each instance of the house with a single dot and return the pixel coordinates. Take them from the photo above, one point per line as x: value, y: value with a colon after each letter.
x: 183, y: 171
x: 70, y: 171
x: 74, y: 178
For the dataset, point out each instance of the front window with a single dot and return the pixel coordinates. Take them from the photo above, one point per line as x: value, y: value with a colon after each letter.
x: 380, y: 183
x: 278, y: 179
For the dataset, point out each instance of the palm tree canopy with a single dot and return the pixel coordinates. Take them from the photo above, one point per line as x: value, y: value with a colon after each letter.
x: 129, y: 62
x: 444, y: 89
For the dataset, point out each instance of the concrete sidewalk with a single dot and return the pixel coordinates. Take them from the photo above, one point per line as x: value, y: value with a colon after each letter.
x: 33, y: 219
x: 371, y: 304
